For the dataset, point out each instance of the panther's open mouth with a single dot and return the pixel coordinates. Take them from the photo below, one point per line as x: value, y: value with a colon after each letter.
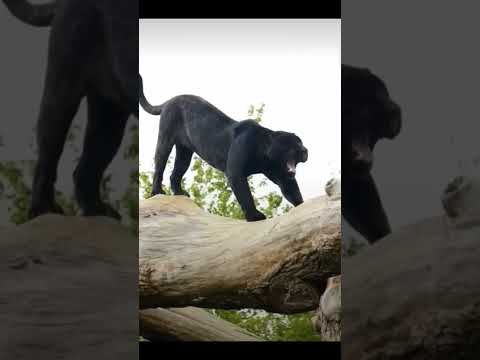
x: 291, y: 168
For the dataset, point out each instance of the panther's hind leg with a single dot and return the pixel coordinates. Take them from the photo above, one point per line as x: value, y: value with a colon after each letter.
x: 183, y: 158
x: 61, y: 98
x: 164, y: 148
x: 105, y: 129
x: 65, y: 85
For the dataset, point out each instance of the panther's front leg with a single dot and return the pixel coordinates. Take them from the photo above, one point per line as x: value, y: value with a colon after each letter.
x: 244, y: 196
x: 238, y: 158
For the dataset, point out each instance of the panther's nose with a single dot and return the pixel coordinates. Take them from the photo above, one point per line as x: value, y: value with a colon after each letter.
x: 393, y: 110
x: 304, y: 155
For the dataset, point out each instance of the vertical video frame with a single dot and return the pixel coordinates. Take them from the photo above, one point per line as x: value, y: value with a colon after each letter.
x: 239, y: 219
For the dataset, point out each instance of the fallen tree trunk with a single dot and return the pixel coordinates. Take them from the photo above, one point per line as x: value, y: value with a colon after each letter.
x: 68, y: 289
x: 416, y: 293
x: 189, y: 324
x: 188, y: 257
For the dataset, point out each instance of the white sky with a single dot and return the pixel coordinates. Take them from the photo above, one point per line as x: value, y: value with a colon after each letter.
x: 293, y: 66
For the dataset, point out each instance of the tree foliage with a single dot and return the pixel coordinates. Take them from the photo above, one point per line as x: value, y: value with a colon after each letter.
x: 270, y: 326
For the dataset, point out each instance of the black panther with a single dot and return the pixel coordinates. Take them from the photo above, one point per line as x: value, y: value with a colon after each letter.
x: 368, y: 115
x: 92, y: 53
x: 237, y: 148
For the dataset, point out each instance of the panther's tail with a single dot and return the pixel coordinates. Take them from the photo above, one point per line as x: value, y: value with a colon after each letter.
x: 32, y: 14
x: 154, y: 110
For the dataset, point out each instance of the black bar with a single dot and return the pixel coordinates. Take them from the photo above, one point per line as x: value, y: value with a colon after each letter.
x: 329, y: 350
x: 323, y: 10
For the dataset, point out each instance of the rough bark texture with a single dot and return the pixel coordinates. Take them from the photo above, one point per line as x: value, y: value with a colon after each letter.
x: 416, y: 293
x: 327, y: 322
x: 68, y: 290
x: 189, y: 324
x: 191, y: 258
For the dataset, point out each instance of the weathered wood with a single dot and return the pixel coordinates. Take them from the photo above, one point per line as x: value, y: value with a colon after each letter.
x: 68, y: 290
x: 416, y: 293
x: 327, y: 321
x: 189, y: 257
x: 189, y: 324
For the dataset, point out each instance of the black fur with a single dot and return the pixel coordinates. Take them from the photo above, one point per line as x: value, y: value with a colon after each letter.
x: 93, y: 53
x: 239, y: 149
x: 368, y: 115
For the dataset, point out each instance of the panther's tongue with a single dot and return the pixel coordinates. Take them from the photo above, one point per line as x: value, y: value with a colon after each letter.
x: 291, y: 167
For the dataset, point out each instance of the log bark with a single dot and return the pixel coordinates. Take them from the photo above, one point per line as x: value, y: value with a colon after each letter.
x: 191, y: 258
x: 327, y: 322
x: 189, y: 324
x: 416, y: 293
x: 68, y: 289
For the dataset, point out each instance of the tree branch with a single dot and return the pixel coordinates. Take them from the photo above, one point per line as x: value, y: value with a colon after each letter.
x: 191, y: 258
x: 68, y: 289
x: 327, y: 322
x: 189, y: 324
x: 416, y: 294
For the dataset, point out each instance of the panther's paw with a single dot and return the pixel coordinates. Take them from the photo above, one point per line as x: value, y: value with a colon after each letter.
x: 257, y: 216
x: 101, y: 209
x: 38, y: 210
x: 181, y: 192
x: 157, y: 192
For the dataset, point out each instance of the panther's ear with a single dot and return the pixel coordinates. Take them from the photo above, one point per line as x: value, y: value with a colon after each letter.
x: 366, y: 71
x: 271, y: 147
x: 242, y: 126
x: 349, y: 69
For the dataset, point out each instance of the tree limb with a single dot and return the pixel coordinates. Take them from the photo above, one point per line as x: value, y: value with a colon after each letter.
x: 68, y: 289
x: 189, y: 324
x: 327, y: 322
x: 191, y: 258
x: 416, y: 293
